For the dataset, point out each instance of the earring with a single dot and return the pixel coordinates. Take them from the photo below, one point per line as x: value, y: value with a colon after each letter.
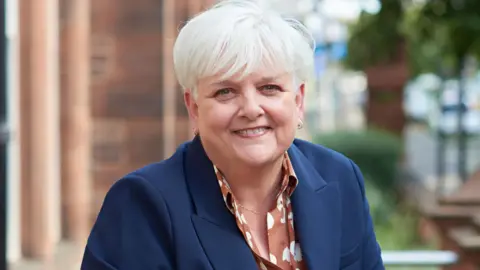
x: 195, y: 132
x: 300, y: 124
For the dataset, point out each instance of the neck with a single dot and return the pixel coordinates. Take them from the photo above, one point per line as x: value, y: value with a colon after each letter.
x: 255, y: 188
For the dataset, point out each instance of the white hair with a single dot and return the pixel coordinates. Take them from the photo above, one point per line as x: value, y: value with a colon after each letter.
x: 237, y: 37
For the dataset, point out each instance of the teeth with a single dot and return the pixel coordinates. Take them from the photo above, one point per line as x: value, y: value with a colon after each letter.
x: 249, y: 132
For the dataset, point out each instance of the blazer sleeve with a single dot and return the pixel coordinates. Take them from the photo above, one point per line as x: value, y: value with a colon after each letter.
x: 371, y: 255
x: 133, y: 229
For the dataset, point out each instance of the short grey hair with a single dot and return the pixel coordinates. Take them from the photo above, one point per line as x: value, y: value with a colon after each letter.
x: 238, y: 37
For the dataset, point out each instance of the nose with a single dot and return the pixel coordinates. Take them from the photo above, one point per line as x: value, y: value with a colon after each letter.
x: 251, y: 105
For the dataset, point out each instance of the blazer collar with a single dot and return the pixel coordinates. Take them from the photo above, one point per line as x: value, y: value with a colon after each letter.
x: 317, y: 213
x: 304, y: 170
x: 216, y: 228
x: 204, y: 188
x: 316, y: 207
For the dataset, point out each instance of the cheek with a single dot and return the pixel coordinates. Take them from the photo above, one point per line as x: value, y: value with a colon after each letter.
x: 215, y: 117
x: 283, y: 112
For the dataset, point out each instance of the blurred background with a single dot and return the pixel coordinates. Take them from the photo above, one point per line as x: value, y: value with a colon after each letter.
x: 88, y: 94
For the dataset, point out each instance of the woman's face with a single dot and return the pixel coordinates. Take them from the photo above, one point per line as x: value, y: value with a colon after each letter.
x: 252, y: 121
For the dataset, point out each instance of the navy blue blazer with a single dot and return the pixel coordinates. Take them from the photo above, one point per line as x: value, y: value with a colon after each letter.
x: 171, y: 215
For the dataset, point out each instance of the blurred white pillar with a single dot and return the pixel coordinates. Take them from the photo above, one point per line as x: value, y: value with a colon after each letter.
x: 13, y: 166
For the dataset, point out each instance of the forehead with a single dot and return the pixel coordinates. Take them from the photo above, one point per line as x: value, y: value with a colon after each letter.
x: 261, y: 75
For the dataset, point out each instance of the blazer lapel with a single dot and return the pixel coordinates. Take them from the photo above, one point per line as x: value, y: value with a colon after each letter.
x: 216, y: 228
x: 316, y: 209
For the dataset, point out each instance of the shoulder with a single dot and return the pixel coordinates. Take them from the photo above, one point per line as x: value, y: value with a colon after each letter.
x: 316, y: 152
x: 338, y: 170
x: 333, y: 166
x: 323, y: 158
x: 162, y: 176
x: 123, y: 229
x: 150, y: 187
x: 156, y: 183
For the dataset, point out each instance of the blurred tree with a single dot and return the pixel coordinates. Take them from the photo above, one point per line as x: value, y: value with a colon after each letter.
x: 406, y: 38
x: 374, y: 38
x: 454, y: 26
x: 437, y: 31
x: 425, y: 55
x: 377, y: 46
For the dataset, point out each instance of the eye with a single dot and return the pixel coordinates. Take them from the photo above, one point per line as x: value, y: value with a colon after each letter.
x: 222, y: 92
x: 225, y: 93
x: 270, y: 88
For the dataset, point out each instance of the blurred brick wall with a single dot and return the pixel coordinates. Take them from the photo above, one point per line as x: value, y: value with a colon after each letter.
x: 135, y: 106
x: 126, y: 90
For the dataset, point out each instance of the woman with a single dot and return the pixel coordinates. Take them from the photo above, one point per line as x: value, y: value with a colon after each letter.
x: 244, y: 193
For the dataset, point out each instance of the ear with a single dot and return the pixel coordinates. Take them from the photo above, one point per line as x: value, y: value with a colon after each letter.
x: 300, y: 100
x: 191, y: 105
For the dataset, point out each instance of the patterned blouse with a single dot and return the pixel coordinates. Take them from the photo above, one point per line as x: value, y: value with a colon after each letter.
x: 284, y: 251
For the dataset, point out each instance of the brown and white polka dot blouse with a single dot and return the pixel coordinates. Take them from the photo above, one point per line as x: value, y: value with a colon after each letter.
x: 284, y: 250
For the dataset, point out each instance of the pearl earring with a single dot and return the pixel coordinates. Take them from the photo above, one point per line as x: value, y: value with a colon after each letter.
x: 300, y: 124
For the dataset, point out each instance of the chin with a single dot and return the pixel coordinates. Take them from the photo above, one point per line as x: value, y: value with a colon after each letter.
x: 257, y: 158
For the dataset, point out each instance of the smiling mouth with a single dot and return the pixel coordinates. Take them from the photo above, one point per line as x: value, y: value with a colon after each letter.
x: 252, y: 132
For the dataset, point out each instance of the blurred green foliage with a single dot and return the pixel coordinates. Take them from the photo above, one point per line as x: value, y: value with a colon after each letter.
x: 439, y: 34
x: 376, y: 152
x: 396, y: 225
x: 374, y: 38
x: 459, y: 19
x: 425, y: 55
x: 395, y: 222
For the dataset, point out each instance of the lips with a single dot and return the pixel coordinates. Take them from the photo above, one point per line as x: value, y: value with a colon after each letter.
x: 252, y: 132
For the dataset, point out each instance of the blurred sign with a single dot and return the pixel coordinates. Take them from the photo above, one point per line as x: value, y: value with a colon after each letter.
x: 338, y: 50
x: 324, y: 53
x: 320, y: 63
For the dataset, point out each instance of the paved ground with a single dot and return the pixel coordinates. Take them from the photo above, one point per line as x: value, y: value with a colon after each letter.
x: 68, y: 258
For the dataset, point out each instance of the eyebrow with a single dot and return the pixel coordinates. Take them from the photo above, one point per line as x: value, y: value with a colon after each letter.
x: 269, y: 79
x: 261, y: 81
